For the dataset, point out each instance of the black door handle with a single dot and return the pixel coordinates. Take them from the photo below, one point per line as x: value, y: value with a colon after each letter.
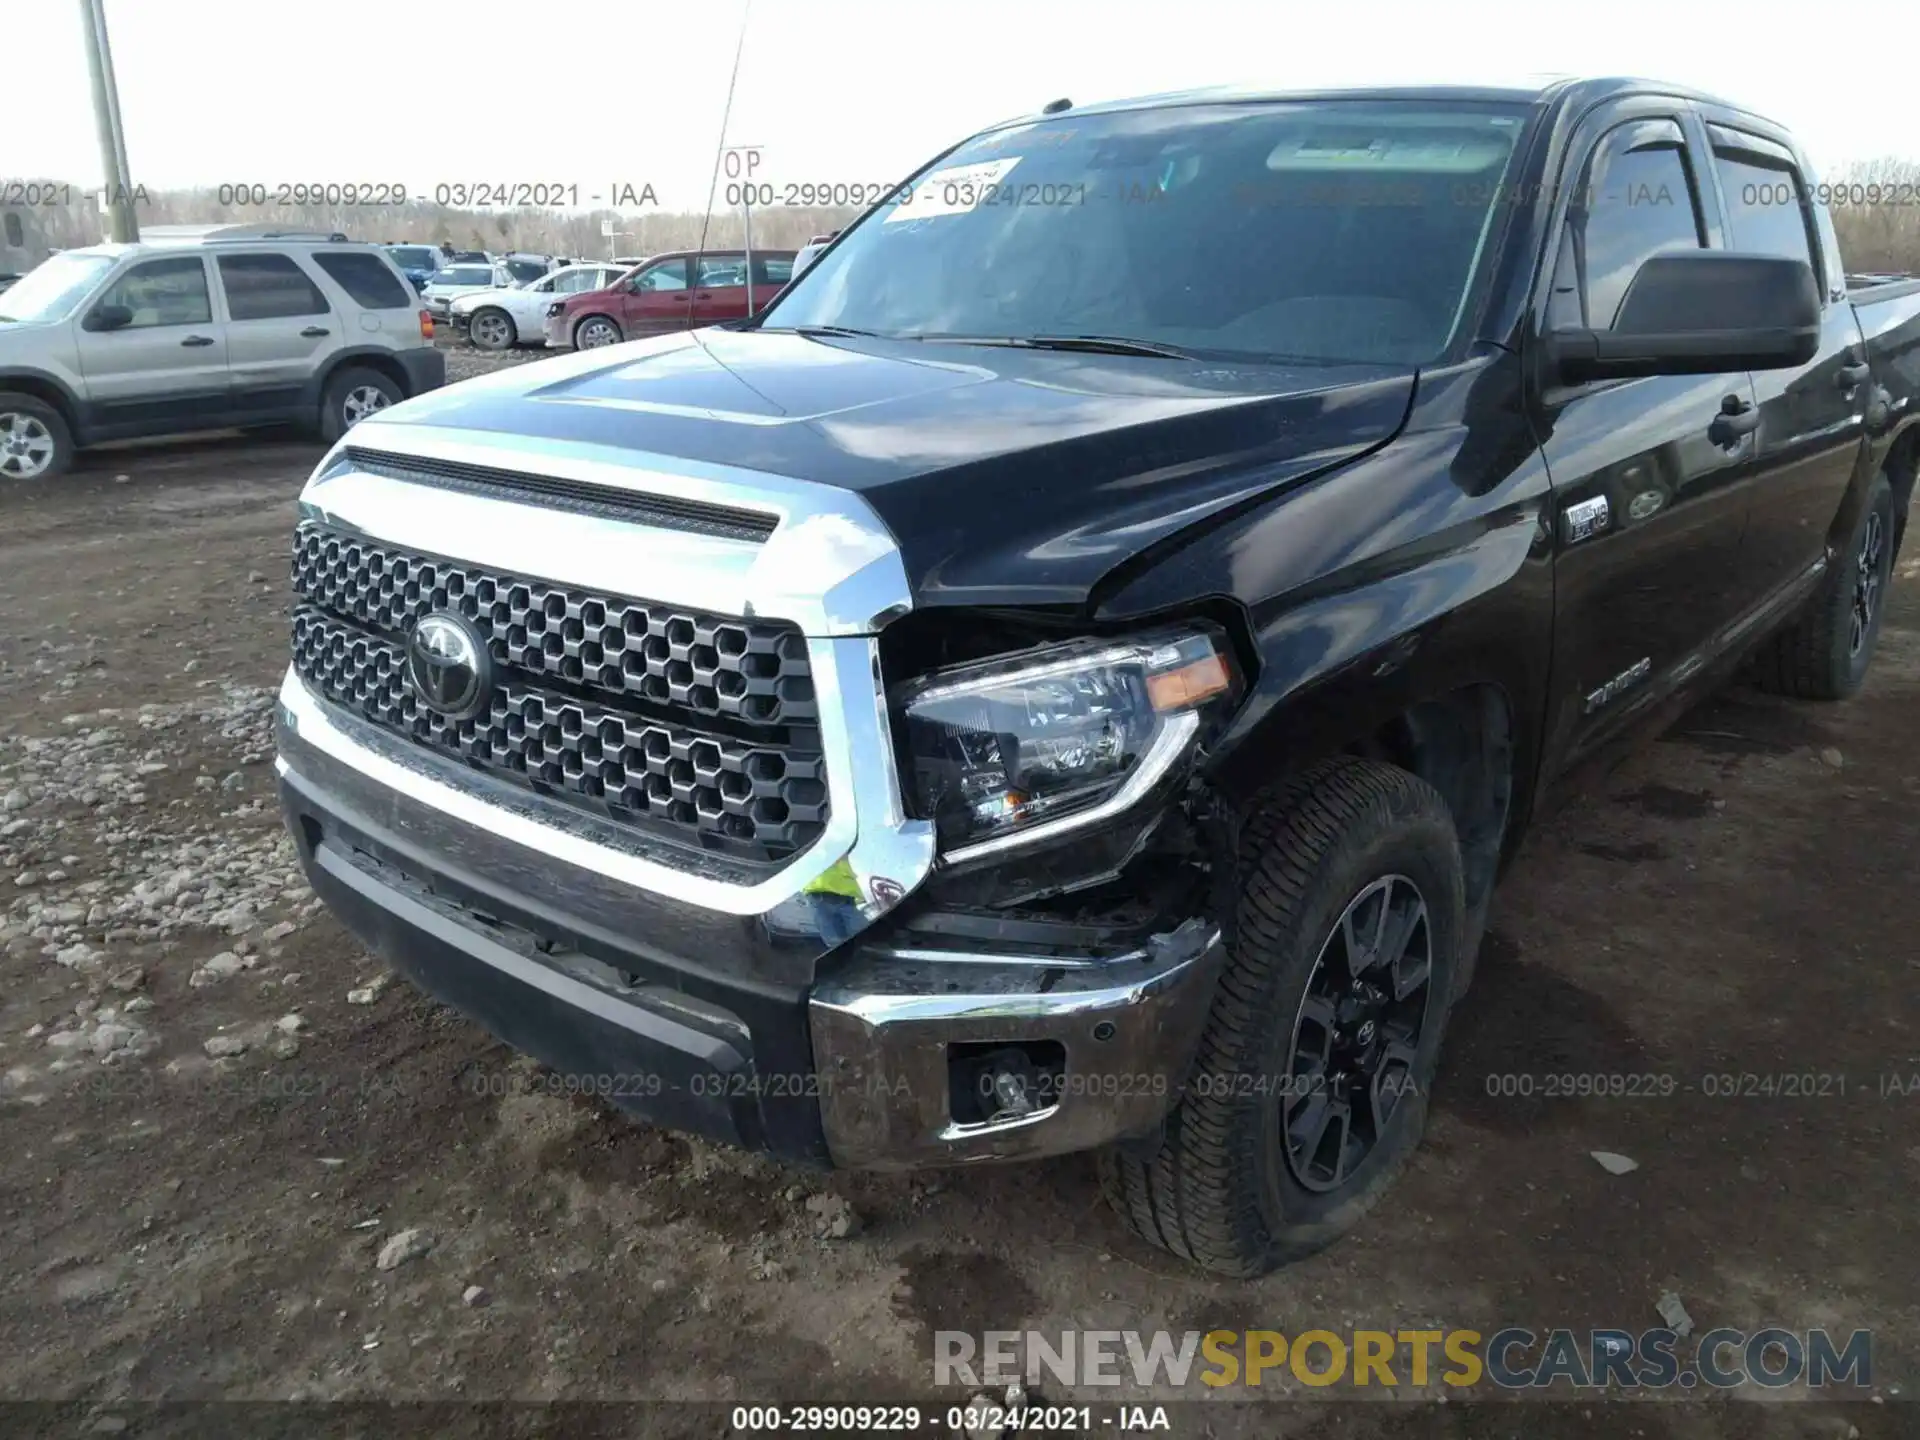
x: 1854, y: 374
x: 1736, y: 420
x: 193, y: 342
x: 314, y: 332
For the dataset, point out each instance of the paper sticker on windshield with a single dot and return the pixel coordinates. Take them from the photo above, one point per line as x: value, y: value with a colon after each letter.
x: 953, y: 191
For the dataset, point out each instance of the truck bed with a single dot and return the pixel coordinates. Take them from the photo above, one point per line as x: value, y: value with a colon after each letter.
x: 1872, y: 289
x: 1888, y: 310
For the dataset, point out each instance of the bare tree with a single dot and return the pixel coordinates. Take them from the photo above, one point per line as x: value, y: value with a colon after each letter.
x: 1876, y: 213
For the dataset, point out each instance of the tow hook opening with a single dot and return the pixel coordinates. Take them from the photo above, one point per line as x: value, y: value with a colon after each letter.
x: 992, y: 1083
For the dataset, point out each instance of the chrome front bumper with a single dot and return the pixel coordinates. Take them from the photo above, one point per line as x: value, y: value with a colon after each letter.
x: 851, y: 1068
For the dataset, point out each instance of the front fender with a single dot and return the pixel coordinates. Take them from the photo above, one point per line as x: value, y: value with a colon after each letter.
x: 1412, y: 573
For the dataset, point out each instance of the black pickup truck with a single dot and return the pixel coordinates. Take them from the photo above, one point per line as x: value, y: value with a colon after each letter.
x: 1068, y: 675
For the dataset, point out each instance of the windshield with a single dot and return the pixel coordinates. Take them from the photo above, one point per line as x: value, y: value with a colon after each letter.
x: 463, y: 275
x: 1329, y: 230
x: 415, y: 257
x: 52, y: 288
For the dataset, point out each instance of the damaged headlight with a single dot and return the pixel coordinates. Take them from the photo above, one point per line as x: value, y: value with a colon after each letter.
x: 1009, y: 752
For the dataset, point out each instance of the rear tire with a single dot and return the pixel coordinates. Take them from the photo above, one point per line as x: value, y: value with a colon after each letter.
x: 35, y: 443
x: 1824, y: 654
x: 351, y: 396
x: 1228, y: 1189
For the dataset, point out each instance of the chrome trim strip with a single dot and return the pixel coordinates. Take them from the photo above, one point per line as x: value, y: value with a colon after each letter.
x: 831, y: 566
x: 867, y: 843
x: 926, y: 954
x: 1167, y: 748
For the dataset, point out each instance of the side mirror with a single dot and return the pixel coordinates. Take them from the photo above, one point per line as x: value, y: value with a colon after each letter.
x: 1700, y: 312
x: 108, y: 317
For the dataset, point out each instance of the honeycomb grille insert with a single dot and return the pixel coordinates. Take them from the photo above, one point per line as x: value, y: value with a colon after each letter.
x: 752, y: 670
x: 696, y: 730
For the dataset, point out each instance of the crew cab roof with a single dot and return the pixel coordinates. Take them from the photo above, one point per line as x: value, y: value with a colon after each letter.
x: 1535, y: 89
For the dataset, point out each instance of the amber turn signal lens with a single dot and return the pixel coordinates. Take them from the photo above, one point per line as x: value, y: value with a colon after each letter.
x: 1193, y: 682
x: 426, y: 326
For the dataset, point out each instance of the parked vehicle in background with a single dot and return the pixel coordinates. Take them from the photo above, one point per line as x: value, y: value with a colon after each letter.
x: 200, y: 328
x: 523, y: 269
x: 683, y: 290
x: 461, y: 279
x: 499, y: 319
x: 811, y: 251
x: 23, y: 244
x: 942, y: 722
x: 416, y: 262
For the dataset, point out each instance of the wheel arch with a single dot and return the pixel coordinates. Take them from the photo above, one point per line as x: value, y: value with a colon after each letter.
x: 1902, y: 463
x: 573, y: 332
x: 1462, y: 744
x: 366, y: 358
x: 51, y: 391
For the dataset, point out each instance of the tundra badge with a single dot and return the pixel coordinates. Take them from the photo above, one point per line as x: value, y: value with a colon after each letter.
x: 1625, y: 680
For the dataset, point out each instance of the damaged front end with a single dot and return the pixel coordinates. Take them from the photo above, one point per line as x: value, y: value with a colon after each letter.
x: 1045, y: 990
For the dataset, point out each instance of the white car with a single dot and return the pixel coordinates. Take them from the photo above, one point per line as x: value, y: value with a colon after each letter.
x: 810, y: 252
x: 461, y: 278
x: 502, y: 318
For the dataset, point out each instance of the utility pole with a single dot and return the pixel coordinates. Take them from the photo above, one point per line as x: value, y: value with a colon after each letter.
x: 124, y: 227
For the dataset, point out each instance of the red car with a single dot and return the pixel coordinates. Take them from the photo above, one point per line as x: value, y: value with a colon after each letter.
x: 679, y: 291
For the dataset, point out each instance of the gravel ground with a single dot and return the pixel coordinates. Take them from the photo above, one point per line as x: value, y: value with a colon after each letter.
x: 240, y: 1164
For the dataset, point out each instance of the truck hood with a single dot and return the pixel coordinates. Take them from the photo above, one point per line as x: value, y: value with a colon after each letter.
x: 24, y: 339
x: 1008, y: 477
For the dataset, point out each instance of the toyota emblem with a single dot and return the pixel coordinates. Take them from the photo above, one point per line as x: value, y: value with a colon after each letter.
x: 448, y: 664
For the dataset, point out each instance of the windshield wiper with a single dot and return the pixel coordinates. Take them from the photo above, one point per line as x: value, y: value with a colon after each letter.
x: 1089, y: 344
x: 1108, y: 345
x: 817, y: 330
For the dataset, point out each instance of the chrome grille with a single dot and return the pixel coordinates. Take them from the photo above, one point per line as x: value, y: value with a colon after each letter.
x: 697, y: 728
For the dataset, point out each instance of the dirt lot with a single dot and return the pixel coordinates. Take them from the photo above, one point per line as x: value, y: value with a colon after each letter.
x: 174, y: 1226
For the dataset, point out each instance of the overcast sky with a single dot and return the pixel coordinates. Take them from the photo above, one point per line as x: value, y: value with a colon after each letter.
x: 422, y: 92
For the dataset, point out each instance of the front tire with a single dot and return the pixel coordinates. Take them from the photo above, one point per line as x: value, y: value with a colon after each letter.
x: 1309, y: 1089
x: 596, y: 331
x: 492, y: 328
x: 35, y: 443
x: 1824, y: 654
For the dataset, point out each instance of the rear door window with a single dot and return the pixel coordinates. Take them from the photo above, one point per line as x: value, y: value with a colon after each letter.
x: 718, y: 271
x: 366, y: 278
x: 1767, y: 206
x: 268, y: 287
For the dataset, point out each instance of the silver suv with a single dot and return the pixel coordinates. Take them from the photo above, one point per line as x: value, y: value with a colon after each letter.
x: 203, y: 328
